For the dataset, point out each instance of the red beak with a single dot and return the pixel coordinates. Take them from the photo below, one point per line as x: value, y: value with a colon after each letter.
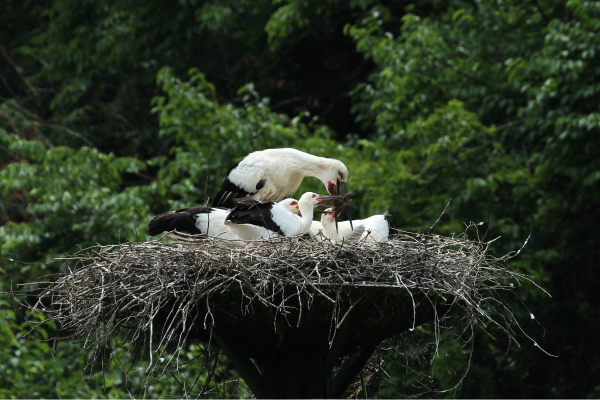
x: 324, y: 199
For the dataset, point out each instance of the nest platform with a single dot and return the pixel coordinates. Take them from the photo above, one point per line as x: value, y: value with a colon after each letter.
x: 296, y: 317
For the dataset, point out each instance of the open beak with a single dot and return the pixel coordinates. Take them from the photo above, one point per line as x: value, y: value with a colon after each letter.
x: 345, y: 194
x: 344, y: 189
x: 322, y: 208
x: 324, y: 199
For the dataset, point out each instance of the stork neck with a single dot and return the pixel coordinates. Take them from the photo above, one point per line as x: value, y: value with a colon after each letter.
x: 311, y: 165
x: 306, y: 212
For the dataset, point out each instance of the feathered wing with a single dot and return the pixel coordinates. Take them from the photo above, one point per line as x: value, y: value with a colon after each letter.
x: 266, y: 175
x: 256, y: 213
x: 378, y: 227
x: 230, y: 189
x: 181, y: 221
x: 227, y: 193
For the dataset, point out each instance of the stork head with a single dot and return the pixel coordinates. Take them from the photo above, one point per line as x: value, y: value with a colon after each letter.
x: 335, y: 174
x: 310, y: 200
x: 291, y: 205
x: 330, y: 214
x: 336, y: 177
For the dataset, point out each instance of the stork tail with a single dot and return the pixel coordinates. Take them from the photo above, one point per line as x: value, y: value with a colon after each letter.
x: 180, y: 221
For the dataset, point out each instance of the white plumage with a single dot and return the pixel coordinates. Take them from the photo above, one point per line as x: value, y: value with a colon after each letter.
x: 214, y: 223
x: 317, y: 231
x: 273, y: 174
x: 375, y: 228
x: 203, y: 220
x: 249, y: 220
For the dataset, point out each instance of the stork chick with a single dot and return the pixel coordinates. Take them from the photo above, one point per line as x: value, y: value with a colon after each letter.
x: 203, y: 220
x: 376, y: 228
x: 252, y: 219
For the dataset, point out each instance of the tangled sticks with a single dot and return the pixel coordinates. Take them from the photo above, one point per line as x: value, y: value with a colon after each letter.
x: 286, y: 311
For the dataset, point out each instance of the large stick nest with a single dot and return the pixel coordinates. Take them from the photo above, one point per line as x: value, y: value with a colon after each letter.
x: 154, y: 288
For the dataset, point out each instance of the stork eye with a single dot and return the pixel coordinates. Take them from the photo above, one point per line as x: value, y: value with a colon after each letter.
x: 294, y: 203
x: 341, y: 175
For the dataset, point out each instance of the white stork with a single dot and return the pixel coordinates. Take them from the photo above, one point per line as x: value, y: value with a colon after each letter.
x: 252, y: 219
x: 272, y: 174
x: 317, y: 230
x: 374, y: 228
x: 203, y: 220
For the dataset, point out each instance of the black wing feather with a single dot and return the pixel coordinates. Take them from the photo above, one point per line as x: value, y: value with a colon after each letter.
x: 227, y: 193
x: 255, y: 213
x: 183, y: 220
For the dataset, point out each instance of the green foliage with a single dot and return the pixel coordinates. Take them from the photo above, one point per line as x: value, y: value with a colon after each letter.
x: 519, y: 67
x: 193, y: 120
x: 296, y: 19
x: 28, y: 357
x: 68, y: 198
x: 34, y: 365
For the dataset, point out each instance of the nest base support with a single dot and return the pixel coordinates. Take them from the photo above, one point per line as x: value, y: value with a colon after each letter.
x: 242, y: 364
x: 297, y: 318
x: 300, y: 361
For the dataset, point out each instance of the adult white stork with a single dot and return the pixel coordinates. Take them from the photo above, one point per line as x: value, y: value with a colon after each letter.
x: 273, y: 174
x: 203, y: 220
x: 374, y: 228
x: 251, y: 219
